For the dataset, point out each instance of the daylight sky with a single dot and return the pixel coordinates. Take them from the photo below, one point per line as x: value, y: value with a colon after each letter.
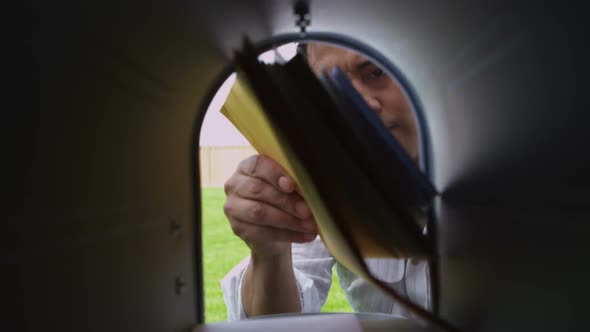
x: 217, y: 130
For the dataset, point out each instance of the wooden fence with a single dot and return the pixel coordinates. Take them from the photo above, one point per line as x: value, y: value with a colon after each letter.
x: 218, y: 163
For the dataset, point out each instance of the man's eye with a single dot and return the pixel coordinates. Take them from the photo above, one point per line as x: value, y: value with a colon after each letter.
x: 375, y: 74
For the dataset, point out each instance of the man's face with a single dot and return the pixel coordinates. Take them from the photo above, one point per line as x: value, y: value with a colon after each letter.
x: 379, y: 90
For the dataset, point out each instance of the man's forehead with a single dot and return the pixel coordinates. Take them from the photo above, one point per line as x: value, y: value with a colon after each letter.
x: 324, y: 57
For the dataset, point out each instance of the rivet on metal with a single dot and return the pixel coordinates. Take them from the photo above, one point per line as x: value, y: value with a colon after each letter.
x: 179, y: 285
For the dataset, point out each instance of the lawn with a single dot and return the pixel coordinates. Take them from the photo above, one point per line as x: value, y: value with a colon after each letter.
x: 222, y: 250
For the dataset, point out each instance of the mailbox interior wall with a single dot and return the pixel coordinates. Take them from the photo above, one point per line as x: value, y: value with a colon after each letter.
x: 102, y: 168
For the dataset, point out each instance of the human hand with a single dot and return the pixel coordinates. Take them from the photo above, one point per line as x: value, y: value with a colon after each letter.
x: 264, y: 208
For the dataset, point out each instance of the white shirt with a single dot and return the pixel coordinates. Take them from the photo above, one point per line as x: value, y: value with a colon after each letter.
x: 312, y: 265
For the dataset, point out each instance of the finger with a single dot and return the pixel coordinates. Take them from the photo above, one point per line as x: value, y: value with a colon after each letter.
x: 253, y: 233
x: 266, y: 169
x: 263, y: 214
x: 259, y: 190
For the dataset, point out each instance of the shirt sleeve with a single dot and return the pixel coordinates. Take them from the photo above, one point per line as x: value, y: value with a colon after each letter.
x: 231, y: 286
x: 418, y: 282
x: 312, y: 266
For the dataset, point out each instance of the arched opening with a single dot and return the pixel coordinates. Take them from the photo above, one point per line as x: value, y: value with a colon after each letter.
x: 218, y: 159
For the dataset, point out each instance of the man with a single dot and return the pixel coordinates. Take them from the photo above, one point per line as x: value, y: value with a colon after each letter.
x: 289, y: 269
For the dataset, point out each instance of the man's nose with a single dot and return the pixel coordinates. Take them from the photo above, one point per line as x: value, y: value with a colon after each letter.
x: 369, y: 98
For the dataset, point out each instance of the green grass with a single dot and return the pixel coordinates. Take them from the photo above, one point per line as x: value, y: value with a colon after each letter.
x: 336, y: 301
x: 222, y: 250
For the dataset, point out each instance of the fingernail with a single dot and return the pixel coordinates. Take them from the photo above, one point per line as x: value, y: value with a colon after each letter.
x: 302, y: 209
x: 286, y: 184
x: 252, y: 162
